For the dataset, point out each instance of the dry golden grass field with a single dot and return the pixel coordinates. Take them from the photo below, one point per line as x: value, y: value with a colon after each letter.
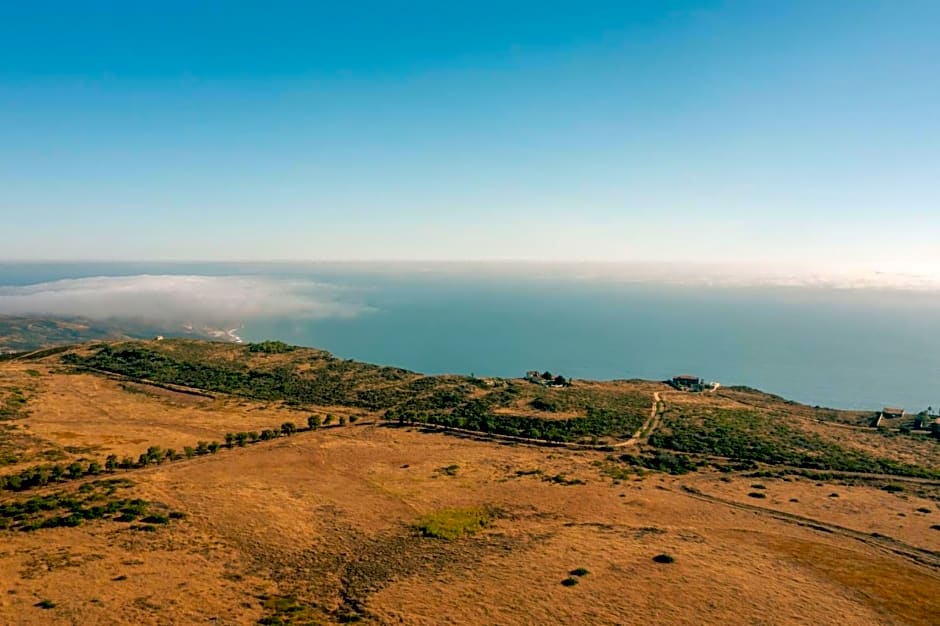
x: 398, y: 523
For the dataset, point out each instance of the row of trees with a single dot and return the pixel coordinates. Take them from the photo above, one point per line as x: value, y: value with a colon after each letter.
x: 42, y: 475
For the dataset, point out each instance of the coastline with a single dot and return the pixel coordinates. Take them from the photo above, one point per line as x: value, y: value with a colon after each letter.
x: 231, y: 335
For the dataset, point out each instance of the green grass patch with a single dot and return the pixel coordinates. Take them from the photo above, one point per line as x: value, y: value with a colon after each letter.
x: 451, y: 524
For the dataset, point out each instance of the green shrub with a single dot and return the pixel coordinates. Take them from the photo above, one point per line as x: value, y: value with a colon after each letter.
x: 45, y: 604
x: 579, y: 572
x: 757, y: 494
x: 570, y: 581
x: 146, y: 528
x: 541, y: 404
x: 271, y: 347
x: 561, y: 479
x: 664, y: 558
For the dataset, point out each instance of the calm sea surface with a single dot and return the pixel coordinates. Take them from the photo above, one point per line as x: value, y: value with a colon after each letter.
x: 841, y: 348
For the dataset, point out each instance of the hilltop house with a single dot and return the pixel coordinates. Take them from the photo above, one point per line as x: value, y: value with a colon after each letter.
x: 890, y: 413
x: 687, y: 382
x: 547, y: 378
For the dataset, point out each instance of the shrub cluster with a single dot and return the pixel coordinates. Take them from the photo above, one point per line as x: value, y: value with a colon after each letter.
x: 92, y: 501
x: 271, y: 347
x: 478, y: 415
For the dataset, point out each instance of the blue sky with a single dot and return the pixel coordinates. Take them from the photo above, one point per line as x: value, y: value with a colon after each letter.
x: 743, y: 132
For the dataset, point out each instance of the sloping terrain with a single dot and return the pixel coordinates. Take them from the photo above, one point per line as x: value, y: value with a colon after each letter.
x: 274, y: 488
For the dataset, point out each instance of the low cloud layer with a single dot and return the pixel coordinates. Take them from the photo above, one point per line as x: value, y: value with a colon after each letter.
x: 179, y: 299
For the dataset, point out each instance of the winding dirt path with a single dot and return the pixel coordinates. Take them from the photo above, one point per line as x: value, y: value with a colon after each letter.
x: 652, y: 423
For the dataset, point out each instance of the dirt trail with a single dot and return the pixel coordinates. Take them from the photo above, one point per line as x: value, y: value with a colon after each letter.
x: 652, y: 423
x: 884, y: 543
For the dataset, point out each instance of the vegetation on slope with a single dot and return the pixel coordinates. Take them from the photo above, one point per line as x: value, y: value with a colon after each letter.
x: 94, y: 500
x: 275, y: 371
x: 752, y: 435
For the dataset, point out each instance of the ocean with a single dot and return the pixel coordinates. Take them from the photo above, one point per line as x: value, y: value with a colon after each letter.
x: 845, y: 348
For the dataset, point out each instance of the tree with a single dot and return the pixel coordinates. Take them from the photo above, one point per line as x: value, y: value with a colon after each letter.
x: 111, y: 463
x: 328, y: 420
x: 288, y: 428
x: 560, y: 380
x: 189, y: 452
x: 94, y: 468
x: 241, y: 439
x: 154, y: 455
x: 342, y: 420
x: 313, y: 422
x: 214, y: 447
x: 353, y: 419
x: 75, y: 470
x: 546, y: 375
x: 202, y: 447
x: 229, y: 439
x: 252, y: 436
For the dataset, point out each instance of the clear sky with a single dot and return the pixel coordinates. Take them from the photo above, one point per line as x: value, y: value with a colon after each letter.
x: 777, y: 132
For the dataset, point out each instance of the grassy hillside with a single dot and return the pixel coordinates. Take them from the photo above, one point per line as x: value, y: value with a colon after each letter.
x: 305, y: 377
x: 740, y: 424
x: 186, y: 481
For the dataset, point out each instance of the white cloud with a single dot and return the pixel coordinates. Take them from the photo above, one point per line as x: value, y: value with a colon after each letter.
x: 193, y: 299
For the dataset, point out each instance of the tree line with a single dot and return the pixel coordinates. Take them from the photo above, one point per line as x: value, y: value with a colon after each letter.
x: 48, y: 474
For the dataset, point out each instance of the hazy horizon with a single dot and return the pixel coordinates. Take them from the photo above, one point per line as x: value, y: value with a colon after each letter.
x: 848, y: 344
